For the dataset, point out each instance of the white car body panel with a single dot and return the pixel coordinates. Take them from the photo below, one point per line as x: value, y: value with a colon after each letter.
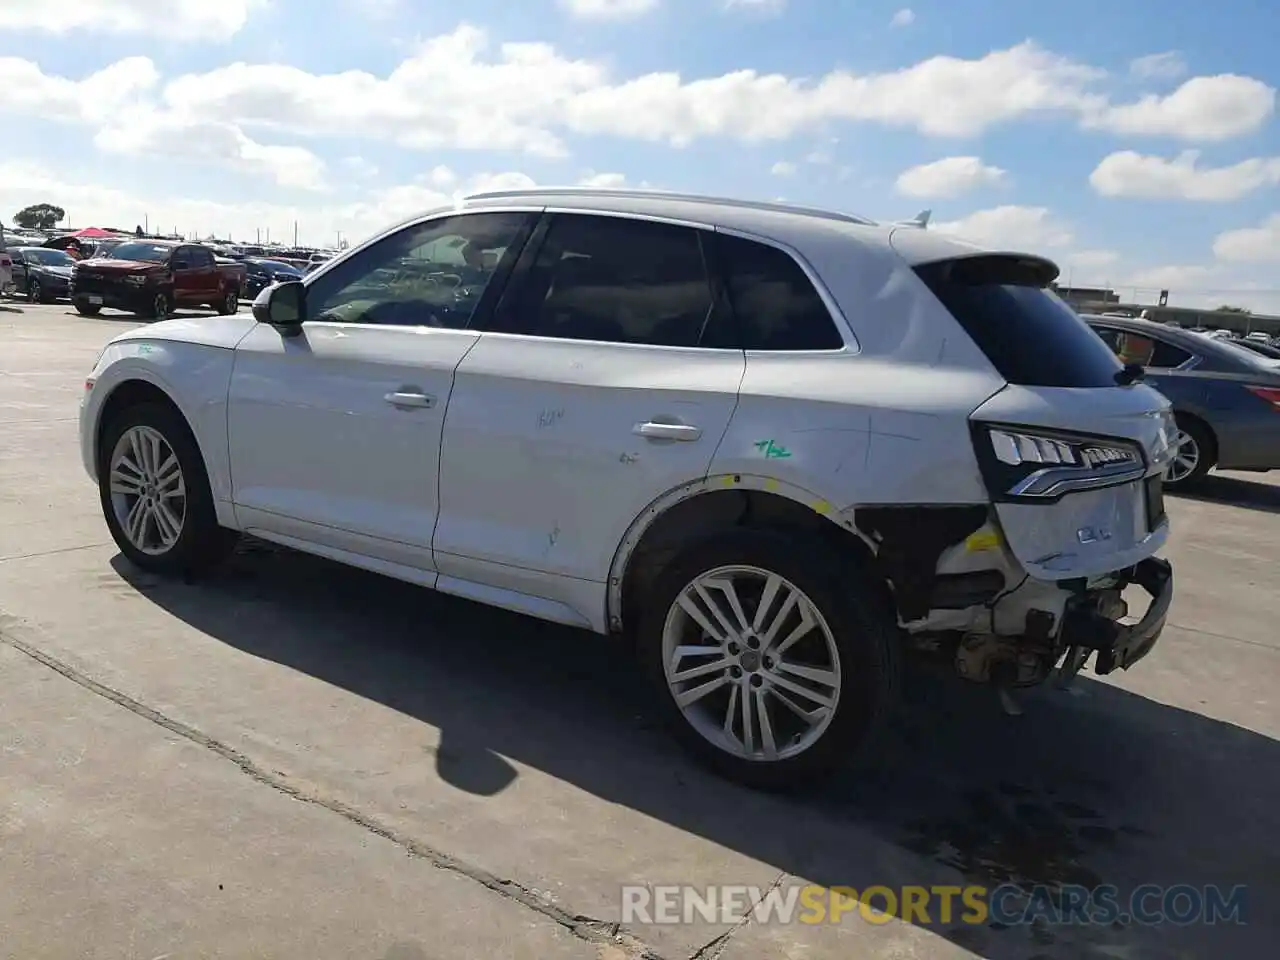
x: 1046, y: 538
x: 523, y: 484
x: 191, y: 362
x: 541, y: 470
x: 319, y: 453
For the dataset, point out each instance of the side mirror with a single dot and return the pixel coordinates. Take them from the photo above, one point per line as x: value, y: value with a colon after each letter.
x: 283, y: 306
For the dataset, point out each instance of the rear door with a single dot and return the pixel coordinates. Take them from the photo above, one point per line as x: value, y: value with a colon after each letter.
x: 594, y: 396
x: 1063, y: 399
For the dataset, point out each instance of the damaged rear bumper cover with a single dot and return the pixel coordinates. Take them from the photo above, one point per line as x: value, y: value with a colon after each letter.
x: 1118, y: 644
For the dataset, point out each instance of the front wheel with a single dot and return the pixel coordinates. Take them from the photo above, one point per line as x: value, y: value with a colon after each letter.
x: 34, y: 293
x: 86, y: 309
x: 774, y: 662
x: 160, y: 307
x: 155, y: 493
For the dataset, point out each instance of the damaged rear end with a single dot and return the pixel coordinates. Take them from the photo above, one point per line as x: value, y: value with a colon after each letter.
x: 1072, y: 452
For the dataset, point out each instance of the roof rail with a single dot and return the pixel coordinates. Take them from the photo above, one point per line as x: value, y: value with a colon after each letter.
x: 625, y: 193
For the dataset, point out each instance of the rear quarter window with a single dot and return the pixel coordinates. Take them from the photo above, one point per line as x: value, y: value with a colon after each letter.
x: 1028, y: 334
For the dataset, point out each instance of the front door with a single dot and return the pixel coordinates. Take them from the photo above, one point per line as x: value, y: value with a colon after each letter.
x: 594, y: 397
x: 334, y: 435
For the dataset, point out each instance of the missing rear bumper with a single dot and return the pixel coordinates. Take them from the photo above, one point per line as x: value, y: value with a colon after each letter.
x: 1118, y: 644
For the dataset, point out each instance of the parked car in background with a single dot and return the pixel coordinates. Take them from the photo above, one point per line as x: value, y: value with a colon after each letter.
x: 102, y: 248
x: 1265, y: 348
x: 1226, y: 398
x: 6, y: 270
x: 771, y: 447
x: 152, y: 278
x: 260, y: 274
x: 41, y: 273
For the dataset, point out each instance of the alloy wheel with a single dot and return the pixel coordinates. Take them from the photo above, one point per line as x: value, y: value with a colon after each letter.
x: 160, y: 308
x: 34, y: 293
x: 148, y: 490
x: 1185, y: 460
x: 751, y: 663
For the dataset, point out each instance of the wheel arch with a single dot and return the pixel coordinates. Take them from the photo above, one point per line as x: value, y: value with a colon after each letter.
x: 715, y: 503
x: 133, y: 390
x: 1185, y: 413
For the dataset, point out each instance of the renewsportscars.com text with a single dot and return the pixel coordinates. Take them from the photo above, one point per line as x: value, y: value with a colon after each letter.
x: 1010, y: 905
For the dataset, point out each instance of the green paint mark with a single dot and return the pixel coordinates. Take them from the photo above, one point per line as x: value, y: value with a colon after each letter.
x: 145, y: 348
x: 771, y: 450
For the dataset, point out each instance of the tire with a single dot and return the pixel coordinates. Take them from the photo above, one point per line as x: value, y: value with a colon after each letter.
x: 86, y: 309
x: 230, y: 303
x: 1199, y: 450
x: 34, y: 293
x: 161, y: 307
x: 200, y: 542
x: 861, y: 631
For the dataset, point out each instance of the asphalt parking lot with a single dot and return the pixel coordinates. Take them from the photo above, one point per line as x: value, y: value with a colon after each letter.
x: 295, y: 759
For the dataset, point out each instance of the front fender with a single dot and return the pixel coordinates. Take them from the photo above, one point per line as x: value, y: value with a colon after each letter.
x: 195, y: 378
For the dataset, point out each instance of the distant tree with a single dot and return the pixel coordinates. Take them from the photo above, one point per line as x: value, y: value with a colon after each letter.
x: 39, y: 216
x: 1228, y: 308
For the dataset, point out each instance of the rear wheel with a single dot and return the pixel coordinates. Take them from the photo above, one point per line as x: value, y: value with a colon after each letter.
x: 230, y: 303
x: 1195, y: 454
x: 155, y: 493
x: 34, y: 291
x: 773, y: 662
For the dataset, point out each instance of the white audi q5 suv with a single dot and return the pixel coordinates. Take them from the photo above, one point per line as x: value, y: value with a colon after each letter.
x: 771, y: 448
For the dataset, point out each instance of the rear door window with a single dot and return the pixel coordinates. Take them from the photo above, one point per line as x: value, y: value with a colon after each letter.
x: 1028, y: 334
x: 775, y: 304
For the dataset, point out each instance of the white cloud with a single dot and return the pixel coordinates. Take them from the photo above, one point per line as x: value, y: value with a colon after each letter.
x: 783, y: 168
x: 903, y: 18
x: 1159, y: 66
x: 948, y: 177
x: 603, y: 180
x: 360, y: 167
x: 1027, y: 229
x: 1130, y: 174
x: 1088, y: 260
x: 608, y: 9
x: 172, y: 19
x: 528, y: 97
x: 90, y: 204
x: 1202, y: 108
x: 1260, y: 244
x: 757, y: 6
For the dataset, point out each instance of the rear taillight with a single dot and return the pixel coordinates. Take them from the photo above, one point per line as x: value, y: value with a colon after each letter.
x: 1269, y: 394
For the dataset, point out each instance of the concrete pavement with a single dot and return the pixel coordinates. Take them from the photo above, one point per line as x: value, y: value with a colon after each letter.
x: 489, y: 763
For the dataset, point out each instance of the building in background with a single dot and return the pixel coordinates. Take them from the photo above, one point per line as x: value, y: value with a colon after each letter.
x: 1102, y: 300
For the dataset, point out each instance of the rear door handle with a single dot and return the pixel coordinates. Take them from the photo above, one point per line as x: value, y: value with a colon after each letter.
x: 667, y: 431
x: 407, y: 400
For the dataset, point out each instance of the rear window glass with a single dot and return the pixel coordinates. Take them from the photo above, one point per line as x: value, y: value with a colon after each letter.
x: 1030, y: 336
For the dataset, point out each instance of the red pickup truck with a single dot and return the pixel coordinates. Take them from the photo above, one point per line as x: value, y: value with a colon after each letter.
x: 152, y: 278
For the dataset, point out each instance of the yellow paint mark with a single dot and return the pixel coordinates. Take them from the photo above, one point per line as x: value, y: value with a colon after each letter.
x: 822, y: 506
x: 727, y: 481
x: 771, y: 484
x: 982, y: 540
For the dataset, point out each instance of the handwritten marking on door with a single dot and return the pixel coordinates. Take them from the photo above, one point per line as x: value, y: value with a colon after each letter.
x: 771, y: 450
x: 549, y: 418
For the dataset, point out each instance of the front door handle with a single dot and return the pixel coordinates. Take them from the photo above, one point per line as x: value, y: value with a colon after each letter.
x: 667, y: 431
x: 406, y: 400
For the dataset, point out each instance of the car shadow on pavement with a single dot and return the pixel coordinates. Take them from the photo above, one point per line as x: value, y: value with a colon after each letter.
x: 1094, y: 786
x: 1249, y: 494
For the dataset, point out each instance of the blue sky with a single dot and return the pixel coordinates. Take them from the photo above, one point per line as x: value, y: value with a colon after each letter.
x: 1136, y: 143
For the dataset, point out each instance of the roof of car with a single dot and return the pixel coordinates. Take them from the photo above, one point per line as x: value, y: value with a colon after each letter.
x: 781, y: 221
